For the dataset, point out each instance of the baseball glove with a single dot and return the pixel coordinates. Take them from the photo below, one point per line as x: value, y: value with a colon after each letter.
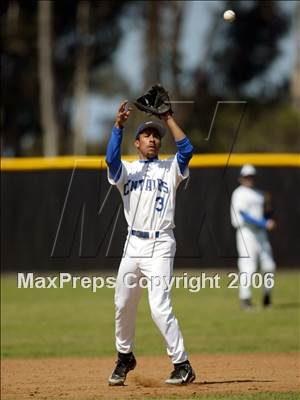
x: 268, y: 206
x: 155, y: 101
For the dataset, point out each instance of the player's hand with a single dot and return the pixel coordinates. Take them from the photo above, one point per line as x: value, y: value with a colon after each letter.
x: 123, y: 114
x: 167, y: 117
x: 271, y: 224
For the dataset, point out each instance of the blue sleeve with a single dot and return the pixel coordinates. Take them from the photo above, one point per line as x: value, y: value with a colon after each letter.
x: 113, y: 153
x: 184, y: 153
x: 261, y: 223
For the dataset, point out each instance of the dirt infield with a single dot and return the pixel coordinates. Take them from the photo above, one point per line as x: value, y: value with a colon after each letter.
x: 86, y: 378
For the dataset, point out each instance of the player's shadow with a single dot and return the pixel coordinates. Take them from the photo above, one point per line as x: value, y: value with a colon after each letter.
x: 232, y: 381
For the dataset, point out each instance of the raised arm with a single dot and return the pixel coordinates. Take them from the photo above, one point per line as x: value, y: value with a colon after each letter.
x: 113, y: 152
x: 184, y: 146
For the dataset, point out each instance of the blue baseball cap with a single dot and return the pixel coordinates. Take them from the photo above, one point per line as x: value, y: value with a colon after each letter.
x: 151, y: 125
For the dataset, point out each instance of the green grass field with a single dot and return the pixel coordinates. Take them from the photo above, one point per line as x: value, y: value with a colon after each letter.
x: 77, y: 322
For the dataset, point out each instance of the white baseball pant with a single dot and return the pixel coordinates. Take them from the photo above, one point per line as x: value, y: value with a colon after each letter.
x: 253, y: 249
x: 147, y: 258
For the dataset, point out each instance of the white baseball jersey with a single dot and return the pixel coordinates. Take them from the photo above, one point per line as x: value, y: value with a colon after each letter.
x: 148, y: 190
x: 252, y: 242
x: 248, y: 200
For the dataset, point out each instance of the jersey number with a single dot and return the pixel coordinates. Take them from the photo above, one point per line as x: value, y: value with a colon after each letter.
x: 159, y: 203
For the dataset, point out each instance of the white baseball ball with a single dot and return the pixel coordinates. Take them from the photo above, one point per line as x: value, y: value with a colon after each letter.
x: 229, y: 15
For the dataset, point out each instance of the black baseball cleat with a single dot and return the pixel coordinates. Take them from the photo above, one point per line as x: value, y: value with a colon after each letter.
x: 267, y: 300
x: 182, y: 375
x: 125, y: 363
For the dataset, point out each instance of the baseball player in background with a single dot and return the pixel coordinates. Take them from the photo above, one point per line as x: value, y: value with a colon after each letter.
x: 148, y: 189
x: 252, y: 223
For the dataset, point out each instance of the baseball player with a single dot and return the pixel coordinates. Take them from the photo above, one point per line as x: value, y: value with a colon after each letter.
x: 253, y: 246
x: 148, y: 189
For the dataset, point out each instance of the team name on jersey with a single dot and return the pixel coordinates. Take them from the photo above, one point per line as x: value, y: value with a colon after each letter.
x: 146, y: 185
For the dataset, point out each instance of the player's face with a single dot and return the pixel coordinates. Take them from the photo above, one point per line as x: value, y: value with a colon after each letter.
x: 148, y: 143
x: 248, y: 181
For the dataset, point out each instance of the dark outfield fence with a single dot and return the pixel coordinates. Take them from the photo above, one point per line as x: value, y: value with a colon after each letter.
x: 62, y: 214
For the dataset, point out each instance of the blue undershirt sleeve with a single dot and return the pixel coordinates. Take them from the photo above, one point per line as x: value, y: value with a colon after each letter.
x: 261, y: 223
x: 184, y: 153
x: 113, y: 153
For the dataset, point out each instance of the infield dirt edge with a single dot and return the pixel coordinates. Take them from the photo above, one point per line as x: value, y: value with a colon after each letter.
x: 86, y: 378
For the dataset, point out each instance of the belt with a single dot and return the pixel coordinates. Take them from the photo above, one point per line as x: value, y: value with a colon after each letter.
x: 145, y: 235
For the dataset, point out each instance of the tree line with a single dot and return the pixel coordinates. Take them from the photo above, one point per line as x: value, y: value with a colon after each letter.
x: 52, y: 52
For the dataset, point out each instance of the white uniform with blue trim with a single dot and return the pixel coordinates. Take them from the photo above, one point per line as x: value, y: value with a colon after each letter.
x: 148, y: 190
x: 253, y: 246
